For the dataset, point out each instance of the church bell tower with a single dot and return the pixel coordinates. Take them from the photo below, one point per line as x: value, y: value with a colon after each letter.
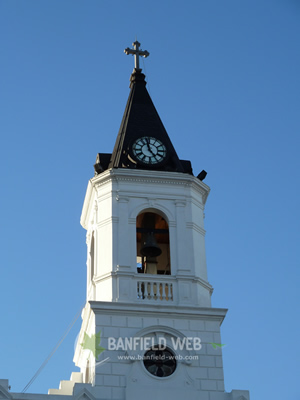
x: 148, y: 311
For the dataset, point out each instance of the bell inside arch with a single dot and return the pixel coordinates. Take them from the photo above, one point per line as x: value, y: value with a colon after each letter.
x: 150, y: 247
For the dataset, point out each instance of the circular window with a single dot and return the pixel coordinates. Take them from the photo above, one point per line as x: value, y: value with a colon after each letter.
x: 160, y: 362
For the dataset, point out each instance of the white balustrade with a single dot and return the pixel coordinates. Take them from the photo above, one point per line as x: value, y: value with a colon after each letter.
x: 154, y: 290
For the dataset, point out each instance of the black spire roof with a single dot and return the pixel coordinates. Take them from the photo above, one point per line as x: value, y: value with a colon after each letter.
x: 142, y: 141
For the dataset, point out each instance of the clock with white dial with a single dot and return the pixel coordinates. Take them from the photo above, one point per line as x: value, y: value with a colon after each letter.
x: 149, y: 150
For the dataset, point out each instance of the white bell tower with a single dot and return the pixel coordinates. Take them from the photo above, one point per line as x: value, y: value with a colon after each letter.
x: 148, y: 304
x: 117, y: 203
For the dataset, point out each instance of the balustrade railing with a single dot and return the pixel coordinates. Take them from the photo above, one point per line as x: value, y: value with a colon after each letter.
x: 154, y: 290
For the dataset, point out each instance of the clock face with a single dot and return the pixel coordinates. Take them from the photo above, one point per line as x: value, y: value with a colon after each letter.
x: 149, y: 150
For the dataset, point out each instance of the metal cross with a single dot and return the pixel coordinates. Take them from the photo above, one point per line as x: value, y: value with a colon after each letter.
x: 137, y: 53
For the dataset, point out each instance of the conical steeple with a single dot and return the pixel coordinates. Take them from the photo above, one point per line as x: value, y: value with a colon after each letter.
x: 142, y: 141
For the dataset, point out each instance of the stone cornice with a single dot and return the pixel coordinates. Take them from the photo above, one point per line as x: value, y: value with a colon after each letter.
x: 203, y: 313
x: 156, y: 177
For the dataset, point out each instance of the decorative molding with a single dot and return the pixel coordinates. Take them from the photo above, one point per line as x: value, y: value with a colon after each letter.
x: 160, y: 331
x: 107, y: 195
x: 126, y: 272
x: 157, y: 207
x: 180, y: 203
x: 145, y: 193
x: 197, y: 203
x: 108, y: 221
x: 194, y: 279
x: 102, y: 277
x: 115, y: 274
x: 156, y: 177
x: 95, y: 206
x: 195, y: 227
x: 151, y: 310
x: 161, y: 178
x: 121, y: 198
x: 151, y: 202
x: 123, y: 267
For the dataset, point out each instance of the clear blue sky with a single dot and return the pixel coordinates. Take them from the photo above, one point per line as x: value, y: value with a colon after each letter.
x: 224, y: 77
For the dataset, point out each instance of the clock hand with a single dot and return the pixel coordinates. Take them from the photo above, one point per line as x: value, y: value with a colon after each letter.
x: 149, y: 147
x: 151, y: 151
x: 148, y: 144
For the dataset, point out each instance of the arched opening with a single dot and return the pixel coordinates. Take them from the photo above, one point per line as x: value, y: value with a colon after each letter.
x: 153, y: 244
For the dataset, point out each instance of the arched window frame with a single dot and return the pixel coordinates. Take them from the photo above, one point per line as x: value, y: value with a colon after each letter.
x: 167, y: 245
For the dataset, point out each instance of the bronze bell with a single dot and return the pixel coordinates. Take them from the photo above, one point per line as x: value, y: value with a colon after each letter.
x: 150, y: 248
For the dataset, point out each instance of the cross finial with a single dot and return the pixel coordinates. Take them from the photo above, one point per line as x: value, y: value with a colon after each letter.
x: 137, y: 53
